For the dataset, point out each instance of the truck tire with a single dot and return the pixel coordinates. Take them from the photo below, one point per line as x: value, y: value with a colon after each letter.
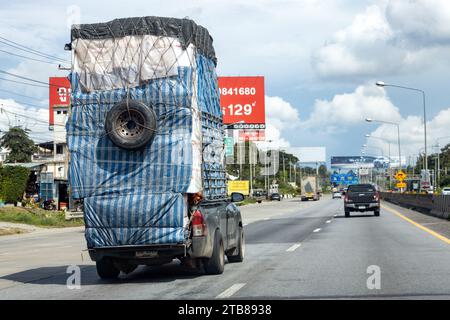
x: 130, y: 124
x: 239, y: 252
x: 347, y: 214
x: 377, y: 213
x: 106, y: 269
x: 216, y: 263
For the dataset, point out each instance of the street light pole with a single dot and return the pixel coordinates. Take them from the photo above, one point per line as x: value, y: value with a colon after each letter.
x: 398, y: 140
x: 382, y: 84
x: 389, y: 155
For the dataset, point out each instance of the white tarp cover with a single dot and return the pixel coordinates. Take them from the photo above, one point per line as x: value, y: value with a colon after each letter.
x: 114, y: 63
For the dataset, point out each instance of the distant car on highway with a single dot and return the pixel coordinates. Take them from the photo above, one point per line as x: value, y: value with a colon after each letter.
x: 275, y: 196
x: 337, y: 194
x: 446, y: 191
x: 362, y: 197
x: 259, y: 195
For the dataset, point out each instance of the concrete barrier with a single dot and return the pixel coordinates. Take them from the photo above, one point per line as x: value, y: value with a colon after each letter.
x: 441, y: 207
x: 435, y: 205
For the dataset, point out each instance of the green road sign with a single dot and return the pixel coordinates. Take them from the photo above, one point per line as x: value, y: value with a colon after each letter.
x: 229, y: 146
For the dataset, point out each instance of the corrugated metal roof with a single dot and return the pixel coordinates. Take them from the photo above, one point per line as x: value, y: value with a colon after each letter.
x: 29, y: 165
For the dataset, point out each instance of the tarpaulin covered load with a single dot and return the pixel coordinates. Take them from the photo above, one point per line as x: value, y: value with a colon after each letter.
x: 138, y: 197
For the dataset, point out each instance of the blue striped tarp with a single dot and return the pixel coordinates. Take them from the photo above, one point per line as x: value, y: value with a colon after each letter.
x: 138, y: 197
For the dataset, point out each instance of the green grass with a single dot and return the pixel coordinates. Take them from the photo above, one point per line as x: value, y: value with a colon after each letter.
x: 37, y: 217
x: 247, y: 201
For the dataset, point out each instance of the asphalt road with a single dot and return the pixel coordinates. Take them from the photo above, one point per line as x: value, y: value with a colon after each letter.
x: 294, y: 250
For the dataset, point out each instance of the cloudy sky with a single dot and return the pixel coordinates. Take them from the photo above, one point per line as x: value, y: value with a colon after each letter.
x: 320, y: 59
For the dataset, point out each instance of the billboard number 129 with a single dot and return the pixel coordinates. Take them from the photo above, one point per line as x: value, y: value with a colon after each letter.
x: 239, y: 109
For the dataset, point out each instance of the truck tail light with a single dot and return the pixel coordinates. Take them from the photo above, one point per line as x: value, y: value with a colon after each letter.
x: 376, y: 197
x: 198, y: 224
x: 346, y: 198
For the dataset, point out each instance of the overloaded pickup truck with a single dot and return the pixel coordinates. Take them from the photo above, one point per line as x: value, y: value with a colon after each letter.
x: 360, y: 198
x: 146, y: 138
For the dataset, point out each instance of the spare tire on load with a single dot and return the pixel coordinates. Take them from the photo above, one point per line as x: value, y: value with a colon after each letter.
x: 130, y: 124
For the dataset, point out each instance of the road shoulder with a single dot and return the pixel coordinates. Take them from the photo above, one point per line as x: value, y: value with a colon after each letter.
x: 438, y: 225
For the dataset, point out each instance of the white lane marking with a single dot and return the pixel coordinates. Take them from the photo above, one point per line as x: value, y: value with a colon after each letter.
x: 335, y: 215
x: 63, y: 247
x: 245, y: 224
x: 231, y: 290
x: 266, y: 219
x: 317, y: 230
x: 328, y: 221
x: 294, y: 247
x: 4, y: 253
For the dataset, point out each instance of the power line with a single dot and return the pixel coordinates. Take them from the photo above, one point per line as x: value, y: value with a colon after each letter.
x: 20, y: 95
x: 24, y: 78
x: 2, y: 109
x: 29, y: 104
x: 25, y: 57
x: 29, y: 50
x: 25, y: 83
x: 20, y: 82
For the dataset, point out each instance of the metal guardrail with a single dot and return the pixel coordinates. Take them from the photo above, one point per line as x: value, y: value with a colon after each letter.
x: 69, y: 215
x: 435, y: 205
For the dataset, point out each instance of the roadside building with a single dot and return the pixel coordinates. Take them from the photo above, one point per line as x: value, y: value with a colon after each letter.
x: 3, y: 154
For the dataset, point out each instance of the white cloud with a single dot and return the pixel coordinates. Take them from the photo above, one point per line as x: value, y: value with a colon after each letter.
x: 33, y: 119
x: 412, y: 136
x: 421, y: 22
x: 280, y: 115
x: 351, y: 109
x: 392, y: 37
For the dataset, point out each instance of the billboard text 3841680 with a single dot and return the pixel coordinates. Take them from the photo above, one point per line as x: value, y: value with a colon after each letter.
x: 242, y: 102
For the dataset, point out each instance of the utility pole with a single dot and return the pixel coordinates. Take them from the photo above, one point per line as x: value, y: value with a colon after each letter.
x: 290, y: 171
x: 295, y: 174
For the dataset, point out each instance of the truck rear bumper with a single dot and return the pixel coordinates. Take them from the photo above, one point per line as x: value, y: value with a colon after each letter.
x: 146, y: 254
x: 362, y: 206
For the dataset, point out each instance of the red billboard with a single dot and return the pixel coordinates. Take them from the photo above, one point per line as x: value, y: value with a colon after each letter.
x: 242, y: 102
x: 59, y: 95
x: 252, y: 135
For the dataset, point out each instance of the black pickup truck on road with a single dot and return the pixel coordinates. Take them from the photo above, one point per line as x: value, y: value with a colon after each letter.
x: 362, y: 197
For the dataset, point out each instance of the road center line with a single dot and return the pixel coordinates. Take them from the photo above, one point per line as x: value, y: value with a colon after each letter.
x: 317, y: 230
x: 231, y: 290
x: 294, y: 247
x: 435, y: 234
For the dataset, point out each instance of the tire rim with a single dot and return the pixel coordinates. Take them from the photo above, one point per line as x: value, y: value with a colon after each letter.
x: 130, y: 124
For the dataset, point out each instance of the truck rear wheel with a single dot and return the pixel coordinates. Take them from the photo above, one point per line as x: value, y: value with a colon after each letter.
x: 216, y: 263
x: 377, y: 213
x: 347, y: 214
x: 239, y: 252
x: 106, y: 269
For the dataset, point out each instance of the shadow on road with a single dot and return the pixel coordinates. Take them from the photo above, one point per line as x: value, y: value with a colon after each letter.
x: 57, y: 275
x: 357, y: 216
